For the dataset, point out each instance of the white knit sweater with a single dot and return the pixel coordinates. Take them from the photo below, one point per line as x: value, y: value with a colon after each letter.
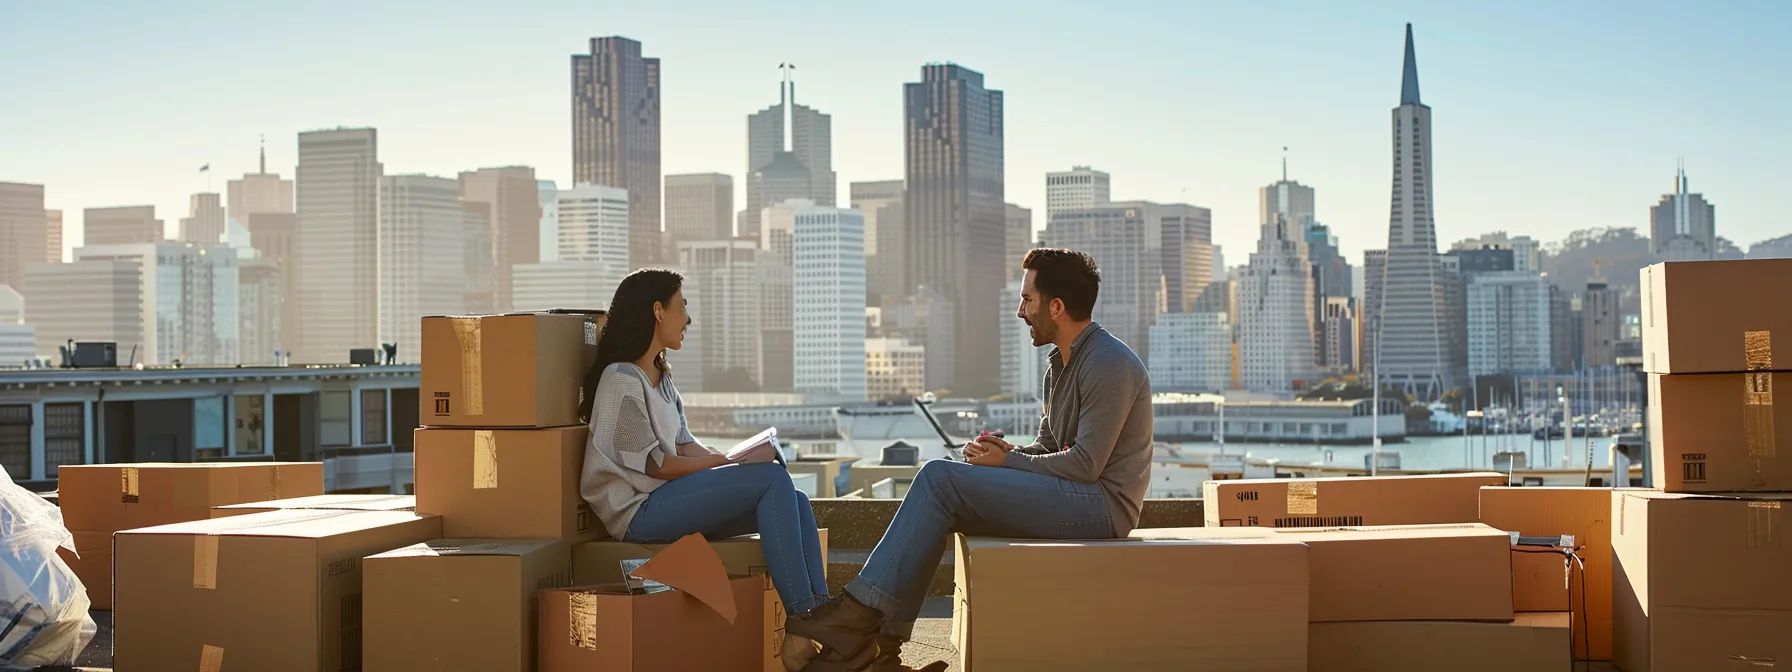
x: 634, y: 426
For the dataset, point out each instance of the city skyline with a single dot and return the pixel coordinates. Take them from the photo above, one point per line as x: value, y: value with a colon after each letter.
x: 1489, y: 71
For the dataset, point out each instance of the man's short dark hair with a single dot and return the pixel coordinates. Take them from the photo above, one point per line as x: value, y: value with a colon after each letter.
x: 1066, y: 275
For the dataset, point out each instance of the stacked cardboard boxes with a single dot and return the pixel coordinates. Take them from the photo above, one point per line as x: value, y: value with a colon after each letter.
x: 1700, y: 578
x: 102, y: 499
x: 498, y: 459
x: 1550, y: 582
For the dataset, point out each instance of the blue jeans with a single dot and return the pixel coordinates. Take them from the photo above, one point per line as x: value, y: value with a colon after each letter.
x: 743, y: 499
x: 949, y: 497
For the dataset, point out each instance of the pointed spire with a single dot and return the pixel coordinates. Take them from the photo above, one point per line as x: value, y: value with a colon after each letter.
x: 264, y: 155
x: 1409, y: 82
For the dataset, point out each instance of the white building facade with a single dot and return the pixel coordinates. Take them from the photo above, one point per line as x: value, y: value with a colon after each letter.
x: 1075, y: 189
x: 188, y: 300
x: 1194, y: 353
x: 894, y: 369
x: 423, y: 242
x: 1277, y: 349
x: 828, y: 308
x: 1508, y: 323
x: 721, y: 283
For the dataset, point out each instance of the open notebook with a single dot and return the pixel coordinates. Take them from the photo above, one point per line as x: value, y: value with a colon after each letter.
x: 761, y: 447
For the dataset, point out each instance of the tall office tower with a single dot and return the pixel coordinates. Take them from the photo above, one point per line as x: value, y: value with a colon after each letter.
x: 790, y: 155
x: 52, y: 235
x: 1017, y: 239
x: 1075, y: 189
x: 258, y: 310
x: 1527, y: 255
x: 335, y: 271
x: 1340, y: 335
x: 1332, y: 274
x: 121, y: 225
x: 721, y: 283
x: 548, y: 195
x: 1023, y: 364
x: 204, y: 223
x: 271, y: 235
x: 953, y: 212
x: 512, y: 196
x: 881, y: 202
x: 777, y: 316
x: 1683, y: 226
x: 1125, y: 239
x: 828, y: 284
x: 258, y: 192
x: 87, y: 301
x: 593, y: 255
x: 1375, y: 275
x: 188, y: 299
x: 23, y: 230
x: 1508, y: 323
x: 616, y: 134
x: 1413, y: 336
x: 1194, y: 353
x: 1600, y: 321
x: 1186, y: 254
x: 422, y: 255
x: 1278, y: 335
x: 699, y: 207
x: 1565, y: 331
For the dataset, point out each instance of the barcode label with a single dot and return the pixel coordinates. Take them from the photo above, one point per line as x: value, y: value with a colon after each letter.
x: 1320, y: 521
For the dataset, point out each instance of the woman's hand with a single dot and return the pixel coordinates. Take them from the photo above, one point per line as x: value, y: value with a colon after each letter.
x: 678, y: 466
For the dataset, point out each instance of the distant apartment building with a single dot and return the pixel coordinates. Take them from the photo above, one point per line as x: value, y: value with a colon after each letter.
x: 721, y: 284
x: 828, y: 281
x: 335, y: 273
x: 1194, y: 353
x: 895, y: 369
x: 1508, y: 323
x: 121, y: 225
x: 593, y: 230
x: 1340, y: 336
x: 188, y: 295
x: 1075, y: 189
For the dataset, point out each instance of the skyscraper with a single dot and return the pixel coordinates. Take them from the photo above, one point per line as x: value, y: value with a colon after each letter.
x: 616, y: 134
x: 1018, y: 238
x: 789, y: 155
x: 829, y: 302
x: 1187, y: 254
x: 204, y: 223
x: 1278, y: 339
x: 512, y: 196
x: 422, y: 251
x: 1075, y: 189
x: 1412, y: 334
x: 699, y: 207
x: 271, y: 234
x: 53, y: 235
x: 1125, y: 239
x: 87, y: 301
x: 954, y: 211
x: 258, y: 192
x: 1683, y: 226
x: 721, y: 282
x: 188, y: 299
x: 23, y: 230
x: 336, y: 245
x: 593, y: 254
x: 881, y: 202
x: 121, y: 225
x: 1508, y: 323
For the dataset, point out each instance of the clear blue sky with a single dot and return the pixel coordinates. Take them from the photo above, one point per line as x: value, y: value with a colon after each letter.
x: 1548, y: 116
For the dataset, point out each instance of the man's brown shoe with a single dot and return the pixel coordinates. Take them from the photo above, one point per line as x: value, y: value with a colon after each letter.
x: 845, y: 629
x: 889, y: 658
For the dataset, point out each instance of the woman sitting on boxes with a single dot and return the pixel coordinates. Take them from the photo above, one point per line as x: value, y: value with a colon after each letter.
x: 650, y: 482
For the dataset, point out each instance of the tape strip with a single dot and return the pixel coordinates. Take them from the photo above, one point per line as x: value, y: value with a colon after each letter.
x: 581, y: 619
x: 1757, y: 350
x: 485, y: 459
x: 211, y: 658
x: 472, y: 364
x: 1303, y: 498
x: 1757, y: 410
x: 205, y: 561
x: 274, y: 482
x: 129, y: 482
x: 1760, y: 524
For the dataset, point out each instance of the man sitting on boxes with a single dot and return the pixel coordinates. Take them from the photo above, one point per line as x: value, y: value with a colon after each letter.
x: 1084, y: 478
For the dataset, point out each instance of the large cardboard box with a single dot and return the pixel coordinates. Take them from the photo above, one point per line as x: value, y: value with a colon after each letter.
x: 1359, y: 575
x: 273, y: 592
x: 340, y: 502
x: 708, y: 621
x: 1346, y: 502
x: 1532, y: 641
x: 1714, y: 432
x: 1693, y: 322
x: 459, y: 604
x: 518, y: 370
x: 1542, y: 581
x: 1218, y: 603
x: 1700, y: 582
x: 99, y: 499
x: 507, y: 484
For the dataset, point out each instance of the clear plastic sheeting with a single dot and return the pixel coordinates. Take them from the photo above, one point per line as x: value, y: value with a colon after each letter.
x: 43, y: 606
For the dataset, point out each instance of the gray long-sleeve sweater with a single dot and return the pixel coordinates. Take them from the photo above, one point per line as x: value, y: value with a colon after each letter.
x: 1096, y: 424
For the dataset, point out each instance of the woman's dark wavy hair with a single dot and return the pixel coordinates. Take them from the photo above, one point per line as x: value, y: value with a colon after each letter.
x: 628, y: 329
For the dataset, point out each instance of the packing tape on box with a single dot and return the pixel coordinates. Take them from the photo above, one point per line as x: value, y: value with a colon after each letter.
x: 1760, y: 524
x: 581, y: 620
x: 274, y: 481
x: 472, y: 363
x: 129, y: 481
x: 205, y: 561
x: 1757, y: 400
x: 211, y: 658
x: 485, y: 459
x: 1303, y: 498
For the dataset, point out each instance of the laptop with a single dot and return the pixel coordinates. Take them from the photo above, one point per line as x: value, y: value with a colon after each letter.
x: 954, y: 448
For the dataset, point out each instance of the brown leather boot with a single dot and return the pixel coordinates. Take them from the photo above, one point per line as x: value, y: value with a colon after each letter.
x: 846, y: 631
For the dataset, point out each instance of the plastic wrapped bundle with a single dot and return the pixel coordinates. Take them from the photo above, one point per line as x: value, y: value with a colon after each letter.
x: 43, y: 606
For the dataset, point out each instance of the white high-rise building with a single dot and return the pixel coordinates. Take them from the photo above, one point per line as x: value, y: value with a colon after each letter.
x: 895, y: 369
x: 189, y: 299
x: 335, y: 274
x: 721, y: 283
x: 829, y: 302
x: 1683, y: 226
x: 1075, y: 189
x: 1023, y: 364
x: 1508, y: 323
x: 1277, y: 346
x: 548, y: 195
x: 422, y: 251
x: 592, y: 256
x: 1194, y: 353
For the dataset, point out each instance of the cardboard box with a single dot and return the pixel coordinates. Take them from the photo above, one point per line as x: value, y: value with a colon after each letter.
x: 328, y: 502
x: 1219, y: 603
x: 271, y: 591
x: 1692, y: 322
x: 1714, y: 432
x: 1346, y: 502
x: 517, y: 370
x: 459, y: 604
x: 1408, y: 573
x: 598, y: 562
x: 1700, y: 582
x: 505, y: 484
x: 709, y: 621
x: 1541, y: 581
x: 99, y: 499
x: 1533, y: 641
